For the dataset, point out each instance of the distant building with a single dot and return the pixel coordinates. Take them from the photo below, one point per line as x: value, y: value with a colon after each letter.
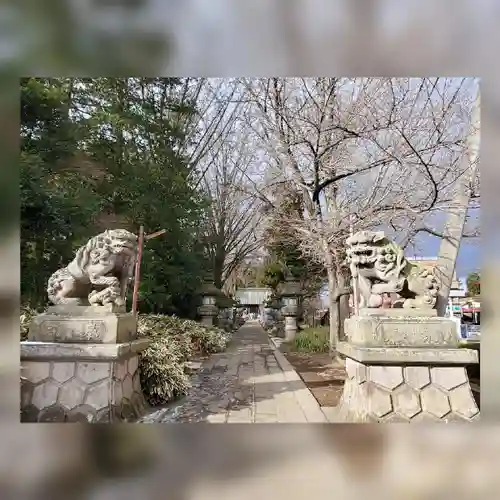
x: 252, y: 298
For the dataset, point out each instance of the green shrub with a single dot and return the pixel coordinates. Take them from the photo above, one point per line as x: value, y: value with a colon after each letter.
x: 158, y: 326
x: 27, y: 313
x: 209, y: 340
x: 162, y: 369
x: 174, y: 341
x: 191, y: 335
x: 312, y: 340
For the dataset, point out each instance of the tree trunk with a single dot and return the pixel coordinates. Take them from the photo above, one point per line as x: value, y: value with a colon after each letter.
x: 343, y: 305
x: 218, y: 270
x: 454, y: 227
x: 332, y: 303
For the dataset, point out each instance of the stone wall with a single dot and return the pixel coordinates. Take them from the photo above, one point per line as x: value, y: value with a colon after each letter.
x: 59, y: 391
x: 391, y: 394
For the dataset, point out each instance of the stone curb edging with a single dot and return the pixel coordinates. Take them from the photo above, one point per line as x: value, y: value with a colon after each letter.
x: 312, y: 410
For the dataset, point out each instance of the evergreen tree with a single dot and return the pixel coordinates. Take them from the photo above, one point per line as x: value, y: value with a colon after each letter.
x: 104, y: 153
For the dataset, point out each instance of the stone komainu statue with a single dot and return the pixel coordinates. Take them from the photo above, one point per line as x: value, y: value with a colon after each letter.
x: 99, y: 273
x: 381, y: 267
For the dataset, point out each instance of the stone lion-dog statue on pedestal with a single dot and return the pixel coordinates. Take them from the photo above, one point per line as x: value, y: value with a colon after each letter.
x: 99, y: 273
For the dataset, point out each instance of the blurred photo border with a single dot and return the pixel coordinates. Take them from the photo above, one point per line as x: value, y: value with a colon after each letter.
x: 235, y: 38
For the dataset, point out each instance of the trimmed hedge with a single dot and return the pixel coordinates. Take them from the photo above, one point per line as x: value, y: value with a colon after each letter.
x: 174, y: 341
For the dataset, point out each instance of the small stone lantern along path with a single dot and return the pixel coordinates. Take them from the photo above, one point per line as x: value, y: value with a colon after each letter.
x: 290, y: 293
x: 208, y: 309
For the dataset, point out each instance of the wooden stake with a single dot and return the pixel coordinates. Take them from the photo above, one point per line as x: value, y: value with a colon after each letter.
x: 154, y: 235
x: 137, y: 274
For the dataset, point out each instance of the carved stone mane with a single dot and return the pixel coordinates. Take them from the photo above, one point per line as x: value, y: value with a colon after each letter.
x: 99, y: 273
x: 382, y: 270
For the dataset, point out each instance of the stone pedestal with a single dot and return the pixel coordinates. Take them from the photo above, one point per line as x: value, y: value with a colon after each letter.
x: 290, y: 314
x: 268, y: 318
x: 405, y: 369
x: 81, y: 364
x: 208, y: 313
x: 224, y: 320
x: 77, y: 324
x: 290, y: 328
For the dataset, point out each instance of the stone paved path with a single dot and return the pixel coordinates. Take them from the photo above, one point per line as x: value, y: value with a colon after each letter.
x: 245, y: 384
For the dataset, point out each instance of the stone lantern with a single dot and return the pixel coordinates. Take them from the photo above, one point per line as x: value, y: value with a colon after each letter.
x: 271, y: 311
x: 225, y: 317
x: 290, y: 294
x: 208, y: 310
x: 274, y: 302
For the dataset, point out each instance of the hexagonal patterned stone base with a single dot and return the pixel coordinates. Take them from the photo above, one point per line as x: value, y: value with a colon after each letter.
x: 387, y: 394
x: 82, y: 390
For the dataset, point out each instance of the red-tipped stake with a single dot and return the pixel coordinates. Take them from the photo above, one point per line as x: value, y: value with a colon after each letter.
x: 137, y: 275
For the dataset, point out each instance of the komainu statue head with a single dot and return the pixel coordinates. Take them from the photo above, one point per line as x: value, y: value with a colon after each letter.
x: 382, y: 271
